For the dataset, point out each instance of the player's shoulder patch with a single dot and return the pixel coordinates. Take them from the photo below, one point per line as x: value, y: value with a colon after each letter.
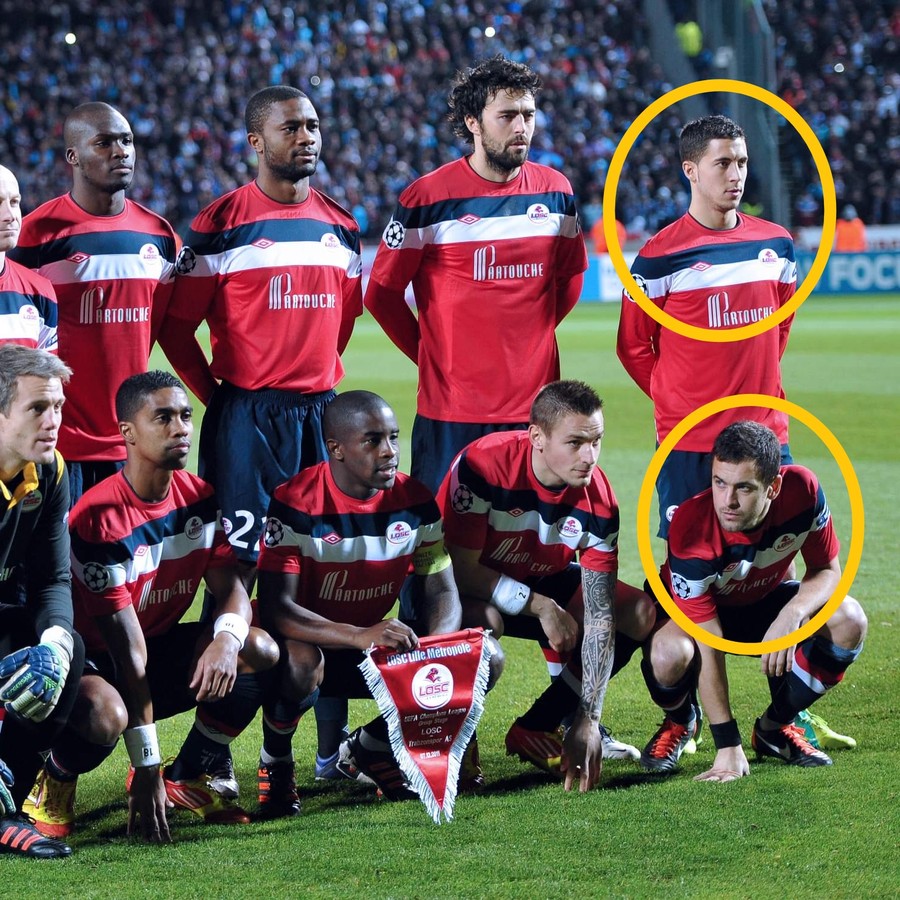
x: 393, y: 236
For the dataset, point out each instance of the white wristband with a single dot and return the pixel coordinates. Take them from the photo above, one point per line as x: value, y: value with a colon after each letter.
x: 232, y: 624
x: 142, y: 745
x: 510, y: 596
x: 58, y: 635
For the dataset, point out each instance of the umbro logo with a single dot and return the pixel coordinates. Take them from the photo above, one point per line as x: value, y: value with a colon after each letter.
x: 262, y: 243
x: 332, y: 538
x: 79, y: 257
x: 515, y: 513
x: 701, y: 266
x: 469, y: 219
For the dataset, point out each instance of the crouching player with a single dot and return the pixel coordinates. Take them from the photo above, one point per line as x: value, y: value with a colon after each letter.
x: 729, y: 551
x: 141, y: 541
x: 519, y: 507
x: 339, y: 540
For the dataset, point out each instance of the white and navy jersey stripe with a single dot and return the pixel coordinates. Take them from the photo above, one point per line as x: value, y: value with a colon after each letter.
x: 28, y: 311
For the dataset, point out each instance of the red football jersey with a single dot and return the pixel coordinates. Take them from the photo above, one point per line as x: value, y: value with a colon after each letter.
x: 718, y: 280
x: 352, y: 556
x: 276, y: 282
x: 28, y: 311
x: 487, y: 262
x: 708, y: 567
x: 150, y: 555
x: 491, y: 501
x: 113, y: 280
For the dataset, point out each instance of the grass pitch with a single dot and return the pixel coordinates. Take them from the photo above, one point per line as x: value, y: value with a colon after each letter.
x: 780, y: 832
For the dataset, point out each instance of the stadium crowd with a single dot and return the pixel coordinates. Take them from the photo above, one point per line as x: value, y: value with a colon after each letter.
x: 377, y: 73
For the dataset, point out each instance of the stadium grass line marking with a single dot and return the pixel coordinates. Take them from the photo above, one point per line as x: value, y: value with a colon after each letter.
x: 857, y: 524
x: 829, y: 209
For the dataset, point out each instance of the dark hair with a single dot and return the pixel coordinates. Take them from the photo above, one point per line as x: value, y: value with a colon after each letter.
x: 134, y: 391
x: 17, y: 361
x: 748, y: 440
x: 474, y: 88
x: 560, y: 398
x: 696, y: 135
x: 260, y: 103
x: 341, y: 413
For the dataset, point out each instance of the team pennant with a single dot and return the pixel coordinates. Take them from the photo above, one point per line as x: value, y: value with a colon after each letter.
x: 431, y: 698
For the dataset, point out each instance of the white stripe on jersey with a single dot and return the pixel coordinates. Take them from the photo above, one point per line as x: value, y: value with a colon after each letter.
x: 14, y: 328
x: 108, y: 267
x: 491, y: 230
x: 279, y: 255
x: 722, y: 277
x: 549, y: 533
x: 361, y: 548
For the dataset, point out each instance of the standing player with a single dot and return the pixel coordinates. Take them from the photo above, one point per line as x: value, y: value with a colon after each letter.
x: 340, y: 538
x: 42, y: 656
x: 730, y: 550
x: 518, y: 508
x: 493, y: 249
x: 274, y: 268
x: 141, y: 541
x: 714, y: 268
x: 27, y: 300
x: 111, y: 262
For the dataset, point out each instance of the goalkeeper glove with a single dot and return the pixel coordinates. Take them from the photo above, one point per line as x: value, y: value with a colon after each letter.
x: 7, y: 804
x: 36, y: 675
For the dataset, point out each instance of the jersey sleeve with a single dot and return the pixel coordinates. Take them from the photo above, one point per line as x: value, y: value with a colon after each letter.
x: 279, y: 550
x: 464, y: 500
x: 430, y: 555
x: 821, y: 545
x: 637, y: 344
x: 197, y: 275
x: 100, y: 569
x: 351, y: 294
x: 402, y: 247
x: 599, y: 548
x: 688, y: 577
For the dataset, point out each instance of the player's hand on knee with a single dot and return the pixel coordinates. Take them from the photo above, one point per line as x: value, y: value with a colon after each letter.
x: 216, y: 670
x: 390, y: 633
x: 729, y: 765
x: 147, y: 805
x: 561, y: 629
x: 7, y: 804
x: 35, y: 676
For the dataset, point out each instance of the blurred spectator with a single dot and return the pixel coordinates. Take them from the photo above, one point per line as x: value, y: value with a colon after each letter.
x: 850, y: 232
x: 599, y: 237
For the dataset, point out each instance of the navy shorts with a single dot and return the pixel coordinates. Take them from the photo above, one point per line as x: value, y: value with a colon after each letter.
x: 84, y: 474
x: 435, y: 445
x: 252, y: 441
x: 684, y: 474
x: 560, y: 587
x: 746, y: 624
x: 170, y: 659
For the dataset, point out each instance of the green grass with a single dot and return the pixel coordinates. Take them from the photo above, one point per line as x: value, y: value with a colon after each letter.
x: 780, y: 832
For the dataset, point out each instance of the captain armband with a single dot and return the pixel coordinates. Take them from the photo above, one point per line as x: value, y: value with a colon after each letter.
x: 510, y: 596
x: 232, y: 624
x: 431, y: 559
x: 142, y: 745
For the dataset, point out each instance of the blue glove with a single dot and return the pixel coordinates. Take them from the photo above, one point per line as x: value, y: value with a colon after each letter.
x: 36, y: 675
x: 7, y: 804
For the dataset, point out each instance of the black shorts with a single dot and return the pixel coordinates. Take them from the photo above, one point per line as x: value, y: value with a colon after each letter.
x: 85, y: 474
x: 561, y: 587
x: 170, y: 659
x: 252, y: 441
x: 684, y: 474
x: 435, y: 444
x: 746, y: 624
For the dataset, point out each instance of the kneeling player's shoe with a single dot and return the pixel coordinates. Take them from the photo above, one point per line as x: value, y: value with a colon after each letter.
x: 820, y: 734
x: 666, y: 746
x: 379, y: 766
x: 471, y: 778
x: 278, y: 795
x: 196, y: 795
x: 789, y: 744
x: 613, y: 749
x: 541, y: 748
x: 326, y: 769
x: 51, y: 804
x: 223, y: 781
x: 18, y: 834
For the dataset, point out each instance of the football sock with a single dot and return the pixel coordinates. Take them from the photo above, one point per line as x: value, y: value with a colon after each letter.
x: 331, y: 724
x: 374, y: 735
x: 675, y: 700
x: 72, y: 756
x: 559, y: 700
x: 818, y: 666
x: 280, y: 719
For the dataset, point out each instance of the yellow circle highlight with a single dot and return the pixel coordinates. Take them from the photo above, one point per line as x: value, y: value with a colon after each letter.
x: 857, y: 524
x: 829, y: 209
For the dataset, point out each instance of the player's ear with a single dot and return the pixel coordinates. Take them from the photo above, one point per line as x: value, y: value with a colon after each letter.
x: 689, y: 167
x: 774, y: 487
x: 127, y: 432
x: 473, y: 124
x: 71, y: 156
x: 255, y: 141
x: 536, y: 436
x: 334, y: 448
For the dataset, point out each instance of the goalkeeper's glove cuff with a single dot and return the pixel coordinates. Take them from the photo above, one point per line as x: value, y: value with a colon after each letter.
x: 60, y: 638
